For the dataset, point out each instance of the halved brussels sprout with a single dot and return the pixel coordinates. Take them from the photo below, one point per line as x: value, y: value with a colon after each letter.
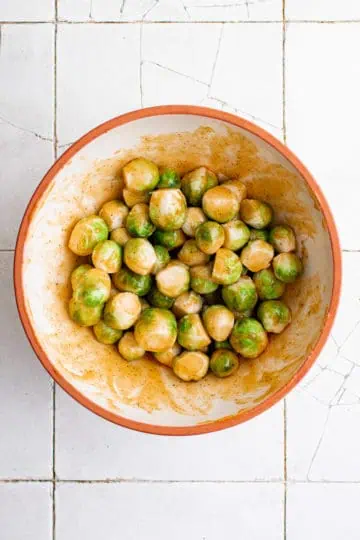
x: 107, y: 256
x: 191, y: 366
x: 140, y: 256
x: 93, y: 288
x: 257, y: 255
x: 187, y: 303
x: 129, y: 348
x: 249, y: 338
x: 162, y: 258
x: 201, y: 280
x: 160, y: 300
x: 222, y: 345
x: 227, y: 267
x: 169, y: 179
x: 191, y: 333
x: 122, y: 311
x: 191, y: 255
x: 168, y: 209
x: 267, y: 285
x: 120, y: 236
x: 194, y: 217
x: 209, y: 237
x: 105, y: 334
x: 169, y: 239
x: 259, y: 234
x: 240, y: 296
x: 283, y: 239
x: 220, y: 204
x: 138, y: 222
x: 274, y: 315
x: 223, y: 363
x: 168, y: 356
x: 88, y: 232
x: 287, y: 267
x: 257, y: 214
x: 84, y: 315
x: 236, y: 234
x: 77, y: 274
x: 173, y: 280
x: 132, y: 198
x: 128, y: 281
x: 156, y: 330
x: 195, y: 183
x: 237, y: 187
x: 140, y: 174
x: 219, y: 322
x: 114, y: 213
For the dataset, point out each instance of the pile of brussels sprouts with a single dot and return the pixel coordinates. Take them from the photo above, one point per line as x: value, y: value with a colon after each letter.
x: 187, y: 269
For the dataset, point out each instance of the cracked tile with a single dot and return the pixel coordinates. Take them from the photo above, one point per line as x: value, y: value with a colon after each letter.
x: 322, y: 10
x: 23, y: 10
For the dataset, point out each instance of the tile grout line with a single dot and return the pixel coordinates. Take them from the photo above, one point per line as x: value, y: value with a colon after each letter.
x: 118, y: 481
x: 139, y: 21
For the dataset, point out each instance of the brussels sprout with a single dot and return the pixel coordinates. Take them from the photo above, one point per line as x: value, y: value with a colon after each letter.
x: 107, y: 256
x: 169, y: 239
x: 256, y: 213
x: 249, y: 338
x: 77, y: 274
x: 220, y: 204
x: 160, y: 300
x: 287, y: 267
x: 128, y: 281
x: 141, y: 175
x: 120, y: 236
x: 138, y: 221
x: 187, y: 303
x: 144, y: 304
x: 162, y: 258
x: 168, y: 209
x: 257, y: 255
x: 132, y: 198
x: 267, y: 285
x: 191, y: 255
x: 86, y: 234
x: 283, y: 239
x: 105, y: 334
x: 223, y: 363
x: 201, y: 279
x: 195, y: 183
x: 237, y: 187
x: 222, y: 345
x: 194, y: 217
x: 240, y: 315
x: 114, y: 214
x: 156, y: 330
x: 173, y: 280
x: 209, y: 237
x: 240, y: 296
x: 259, y: 234
x: 218, y: 321
x: 93, y: 288
x: 191, y: 366
x: 129, y: 348
x: 84, y: 315
x: 274, y: 315
x: 169, y: 179
x: 236, y: 234
x: 168, y: 356
x: 191, y: 333
x: 140, y: 256
x: 227, y: 267
x: 122, y: 311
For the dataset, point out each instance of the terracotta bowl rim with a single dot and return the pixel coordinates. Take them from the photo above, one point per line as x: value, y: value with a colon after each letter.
x: 214, y: 425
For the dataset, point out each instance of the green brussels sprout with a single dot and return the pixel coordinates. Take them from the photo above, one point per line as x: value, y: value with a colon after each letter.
x: 191, y: 255
x: 227, y: 267
x: 267, y: 285
x: 84, y: 315
x: 237, y: 234
x: 195, y: 183
x: 140, y: 174
x: 105, y: 334
x: 257, y: 214
x: 129, y: 348
x: 120, y: 236
x: 167, y: 357
x: 128, y: 281
x: 93, y: 288
x: 114, y: 213
x: 283, y: 239
x: 209, y: 237
x: 222, y: 345
x: 191, y: 333
x: 169, y: 179
x: 140, y: 256
x: 223, y: 363
x: 240, y: 296
x: 162, y: 258
x: 257, y: 255
x: 138, y: 222
x: 88, y: 232
x: 187, y: 303
x: 169, y: 239
x: 220, y: 204
x: 201, y: 279
x: 194, y: 217
x: 191, y: 366
x: 77, y: 274
x: 249, y: 338
x: 173, y: 280
x: 240, y: 315
x: 107, y: 256
x: 287, y: 267
x: 274, y: 315
x: 218, y: 321
x: 168, y: 209
x: 132, y: 198
x: 156, y: 330
x: 237, y: 187
x: 122, y: 311
x: 160, y: 300
x: 259, y: 234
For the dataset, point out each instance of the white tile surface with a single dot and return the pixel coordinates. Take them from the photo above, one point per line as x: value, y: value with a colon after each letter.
x: 24, y: 10
x: 327, y: 10
x: 163, y: 511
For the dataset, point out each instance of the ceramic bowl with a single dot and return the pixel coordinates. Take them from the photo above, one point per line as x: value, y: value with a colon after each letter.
x: 144, y: 395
